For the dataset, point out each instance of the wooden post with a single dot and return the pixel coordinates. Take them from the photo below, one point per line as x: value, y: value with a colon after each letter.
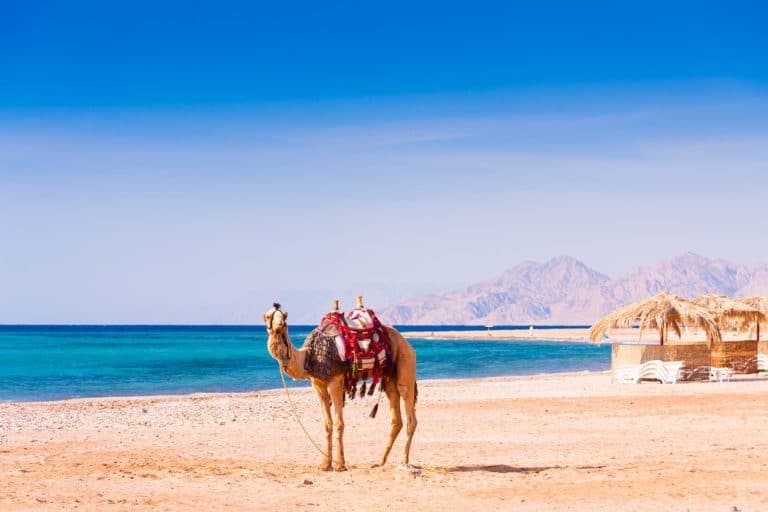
x: 359, y: 301
x: 335, y: 304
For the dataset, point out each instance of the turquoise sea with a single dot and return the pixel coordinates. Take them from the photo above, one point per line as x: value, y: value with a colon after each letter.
x: 58, y: 362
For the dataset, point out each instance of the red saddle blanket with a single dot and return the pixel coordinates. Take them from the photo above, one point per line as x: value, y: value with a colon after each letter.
x: 365, y: 342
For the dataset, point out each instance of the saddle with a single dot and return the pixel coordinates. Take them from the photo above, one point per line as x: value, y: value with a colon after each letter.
x: 362, y: 342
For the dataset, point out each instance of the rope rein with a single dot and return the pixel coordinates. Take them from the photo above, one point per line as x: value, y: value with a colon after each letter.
x: 282, y: 362
x: 296, y: 415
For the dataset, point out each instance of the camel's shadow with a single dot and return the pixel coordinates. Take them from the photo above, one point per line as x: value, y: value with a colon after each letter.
x: 506, y: 468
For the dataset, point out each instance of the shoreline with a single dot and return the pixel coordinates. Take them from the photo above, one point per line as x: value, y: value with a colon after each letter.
x: 202, y: 395
x: 307, y: 389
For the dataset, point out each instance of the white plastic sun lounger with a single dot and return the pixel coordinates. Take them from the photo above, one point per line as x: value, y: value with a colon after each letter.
x: 720, y: 374
x: 674, y: 371
x: 762, y: 362
x: 666, y: 373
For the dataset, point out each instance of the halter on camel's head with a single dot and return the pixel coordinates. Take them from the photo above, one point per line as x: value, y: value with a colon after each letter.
x: 277, y: 327
x: 276, y: 320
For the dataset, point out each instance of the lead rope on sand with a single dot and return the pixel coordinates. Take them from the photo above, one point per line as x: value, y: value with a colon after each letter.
x: 296, y: 415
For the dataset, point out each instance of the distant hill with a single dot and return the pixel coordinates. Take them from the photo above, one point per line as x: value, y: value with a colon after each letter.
x: 566, y: 291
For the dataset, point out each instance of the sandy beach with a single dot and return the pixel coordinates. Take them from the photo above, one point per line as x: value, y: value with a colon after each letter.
x: 557, y: 442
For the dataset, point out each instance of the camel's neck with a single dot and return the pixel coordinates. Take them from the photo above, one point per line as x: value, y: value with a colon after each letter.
x: 291, y: 359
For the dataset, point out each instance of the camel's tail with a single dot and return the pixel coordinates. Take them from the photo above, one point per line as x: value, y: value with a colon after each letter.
x: 415, y: 399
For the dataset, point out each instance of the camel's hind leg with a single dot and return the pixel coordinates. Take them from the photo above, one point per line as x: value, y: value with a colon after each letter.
x: 408, y: 392
x: 390, y: 387
x: 406, y: 387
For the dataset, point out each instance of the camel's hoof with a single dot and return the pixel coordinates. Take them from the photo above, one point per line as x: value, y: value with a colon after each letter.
x: 409, y: 468
x: 340, y: 468
x: 326, y: 467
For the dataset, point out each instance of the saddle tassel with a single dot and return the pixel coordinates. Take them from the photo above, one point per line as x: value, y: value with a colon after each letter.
x: 362, y: 389
x: 376, y: 407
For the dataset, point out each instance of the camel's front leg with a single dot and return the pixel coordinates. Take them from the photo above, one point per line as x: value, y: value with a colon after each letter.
x: 325, y: 404
x: 336, y: 390
x: 390, y: 386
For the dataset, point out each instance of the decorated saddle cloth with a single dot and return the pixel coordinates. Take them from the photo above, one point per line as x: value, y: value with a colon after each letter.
x: 362, y: 342
x: 323, y: 361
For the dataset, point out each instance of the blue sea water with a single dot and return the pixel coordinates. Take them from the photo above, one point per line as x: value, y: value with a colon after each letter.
x: 58, y: 362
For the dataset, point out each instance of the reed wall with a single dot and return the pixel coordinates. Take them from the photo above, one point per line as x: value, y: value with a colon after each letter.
x: 741, y: 356
x: 695, y: 356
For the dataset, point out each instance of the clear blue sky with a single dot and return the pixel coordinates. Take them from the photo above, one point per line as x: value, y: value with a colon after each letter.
x: 191, y: 161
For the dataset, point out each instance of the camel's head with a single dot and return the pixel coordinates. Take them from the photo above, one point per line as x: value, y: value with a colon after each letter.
x: 276, y: 320
x: 277, y: 328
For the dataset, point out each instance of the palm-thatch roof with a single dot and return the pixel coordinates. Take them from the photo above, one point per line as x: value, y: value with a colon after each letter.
x: 731, y: 313
x: 663, y: 312
x: 760, y: 303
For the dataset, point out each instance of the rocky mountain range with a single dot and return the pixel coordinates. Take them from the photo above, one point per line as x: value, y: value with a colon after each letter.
x: 565, y: 291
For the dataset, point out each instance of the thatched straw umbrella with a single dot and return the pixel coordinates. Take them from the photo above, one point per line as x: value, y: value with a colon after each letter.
x: 731, y: 313
x: 760, y: 303
x: 664, y: 312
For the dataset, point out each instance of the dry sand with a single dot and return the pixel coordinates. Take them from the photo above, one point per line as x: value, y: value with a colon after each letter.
x: 557, y: 442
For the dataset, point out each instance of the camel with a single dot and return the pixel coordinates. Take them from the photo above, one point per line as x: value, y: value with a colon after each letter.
x: 401, y: 384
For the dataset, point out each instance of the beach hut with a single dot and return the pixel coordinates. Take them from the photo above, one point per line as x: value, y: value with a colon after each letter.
x: 739, y: 317
x: 667, y: 314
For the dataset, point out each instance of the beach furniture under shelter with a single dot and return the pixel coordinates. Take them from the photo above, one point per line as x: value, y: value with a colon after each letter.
x: 666, y: 373
x: 670, y: 316
x: 762, y: 363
